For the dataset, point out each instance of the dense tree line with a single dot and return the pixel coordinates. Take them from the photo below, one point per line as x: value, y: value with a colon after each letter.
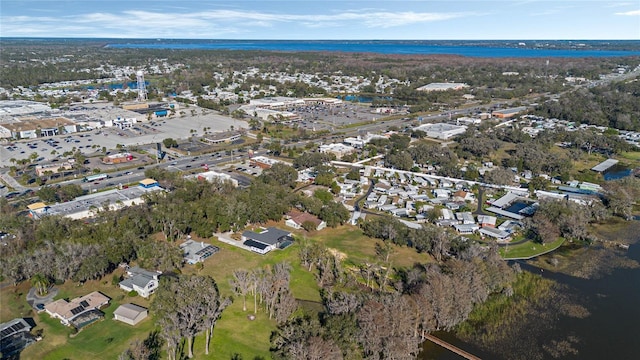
x: 616, y: 105
x: 61, y: 249
x: 390, y: 322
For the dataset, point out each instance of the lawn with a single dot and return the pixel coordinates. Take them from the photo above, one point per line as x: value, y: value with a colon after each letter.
x: 234, y: 333
x: 105, y: 339
x: 361, y: 248
x: 529, y: 249
x: 631, y: 155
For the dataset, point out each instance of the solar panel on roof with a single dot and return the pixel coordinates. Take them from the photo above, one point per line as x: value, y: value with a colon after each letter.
x: 19, y: 326
x: 84, y: 303
x: 77, y: 310
x: 5, y: 332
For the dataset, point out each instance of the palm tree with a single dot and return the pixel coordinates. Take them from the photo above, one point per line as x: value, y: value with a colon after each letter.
x: 41, y: 283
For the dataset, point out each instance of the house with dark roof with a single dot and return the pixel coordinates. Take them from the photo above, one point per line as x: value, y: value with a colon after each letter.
x: 142, y: 281
x: 15, y: 335
x: 267, y: 240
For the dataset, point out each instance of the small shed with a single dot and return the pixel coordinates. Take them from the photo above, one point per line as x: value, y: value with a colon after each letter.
x: 130, y: 313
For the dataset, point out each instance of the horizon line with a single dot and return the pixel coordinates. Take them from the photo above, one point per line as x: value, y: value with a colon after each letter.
x: 232, y: 39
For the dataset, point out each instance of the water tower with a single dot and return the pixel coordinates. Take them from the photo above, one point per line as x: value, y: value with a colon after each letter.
x: 142, y: 88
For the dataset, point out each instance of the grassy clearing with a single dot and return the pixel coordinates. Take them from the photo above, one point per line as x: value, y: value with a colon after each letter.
x: 361, y: 248
x: 529, y: 249
x: 631, y: 155
x: 495, y: 318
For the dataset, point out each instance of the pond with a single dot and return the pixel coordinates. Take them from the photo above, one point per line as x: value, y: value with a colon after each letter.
x: 616, y: 172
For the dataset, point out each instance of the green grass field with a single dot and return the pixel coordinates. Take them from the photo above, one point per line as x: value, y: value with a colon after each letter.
x: 529, y: 249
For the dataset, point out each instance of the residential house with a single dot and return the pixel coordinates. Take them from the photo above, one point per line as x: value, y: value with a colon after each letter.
x: 510, y: 226
x: 495, y: 233
x: 130, y: 313
x: 69, y: 311
x: 142, y: 281
x: 195, y: 252
x: 465, y: 217
x: 466, y: 228
x: 267, y: 240
x: 462, y: 195
x: 15, y: 335
x: 296, y: 219
x: 487, y: 220
x: 441, y: 193
x: 381, y: 187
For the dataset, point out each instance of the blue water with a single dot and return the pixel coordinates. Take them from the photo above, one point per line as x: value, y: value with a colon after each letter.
x: 381, y: 47
x: 616, y: 172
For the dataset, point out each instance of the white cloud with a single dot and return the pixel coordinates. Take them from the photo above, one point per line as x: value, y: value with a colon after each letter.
x: 629, y: 13
x: 144, y: 23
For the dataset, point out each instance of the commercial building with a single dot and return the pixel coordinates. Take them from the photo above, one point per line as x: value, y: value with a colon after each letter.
x: 508, y: 113
x: 277, y: 102
x: 42, y: 170
x: 265, y: 162
x: 223, y: 137
x: 441, y: 130
x: 442, y: 87
x: 339, y: 150
x: 89, y: 205
x: 211, y: 176
x: 117, y: 158
x: 34, y: 127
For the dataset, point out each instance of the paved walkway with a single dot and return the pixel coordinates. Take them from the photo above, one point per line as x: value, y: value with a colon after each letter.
x: 226, y: 238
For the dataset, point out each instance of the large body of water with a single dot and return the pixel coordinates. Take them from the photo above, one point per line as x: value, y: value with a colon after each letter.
x: 475, y: 49
x: 609, y: 332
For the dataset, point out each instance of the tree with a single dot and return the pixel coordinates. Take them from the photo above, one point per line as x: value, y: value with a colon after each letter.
x: 499, y: 176
x: 241, y: 284
x: 280, y: 174
x: 185, y: 306
x: 41, y: 283
x: 170, y: 143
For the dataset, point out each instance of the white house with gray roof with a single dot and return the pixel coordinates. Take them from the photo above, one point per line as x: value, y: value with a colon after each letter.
x: 142, y: 281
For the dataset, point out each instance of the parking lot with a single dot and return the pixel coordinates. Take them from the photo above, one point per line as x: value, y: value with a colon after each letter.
x: 326, y: 117
x: 146, y: 132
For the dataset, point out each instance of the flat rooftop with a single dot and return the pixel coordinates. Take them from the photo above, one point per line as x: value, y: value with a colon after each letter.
x: 98, y: 200
x: 603, y: 166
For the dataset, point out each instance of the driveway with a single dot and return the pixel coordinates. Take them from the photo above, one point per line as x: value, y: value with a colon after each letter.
x: 33, y: 299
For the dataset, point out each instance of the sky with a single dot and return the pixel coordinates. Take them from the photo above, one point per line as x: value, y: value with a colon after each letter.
x: 324, y: 19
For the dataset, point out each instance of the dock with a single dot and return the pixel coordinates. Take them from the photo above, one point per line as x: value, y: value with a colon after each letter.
x: 451, y: 348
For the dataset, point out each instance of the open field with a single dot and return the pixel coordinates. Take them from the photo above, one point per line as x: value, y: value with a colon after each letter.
x: 529, y: 249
